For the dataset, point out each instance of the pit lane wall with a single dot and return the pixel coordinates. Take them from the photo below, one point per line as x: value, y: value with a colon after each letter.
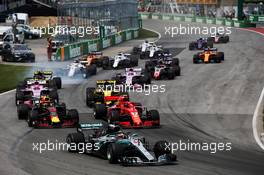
x: 75, y: 50
x: 205, y: 20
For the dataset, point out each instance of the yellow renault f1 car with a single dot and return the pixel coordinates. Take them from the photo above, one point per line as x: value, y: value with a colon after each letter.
x: 209, y: 55
x: 104, y: 88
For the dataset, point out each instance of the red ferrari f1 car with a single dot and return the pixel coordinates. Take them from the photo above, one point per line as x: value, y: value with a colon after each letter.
x: 126, y: 114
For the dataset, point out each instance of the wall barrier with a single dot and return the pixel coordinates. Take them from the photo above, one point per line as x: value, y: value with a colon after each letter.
x: 71, y: 51
x: 198, y: 19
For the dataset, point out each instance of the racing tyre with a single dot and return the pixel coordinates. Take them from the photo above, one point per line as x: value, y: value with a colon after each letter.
x: 22, y: 111
x: 33, y: 113
x: 176, y: 62
x: 154, y: 115
x: 145, y: 79
x: 100, y: 111
x: 171, y: 74
x: 57, y: 81
x: 161, y: 148
x: 106, y: 62
x: 149, y: 66
x: 73, y: 114
x: 113, y: 153
x: 90, y: 97
x: 52, y: 84
x: 90, y: 70
x: 196, y: 59
x: 178, y: 71
x: 54, y: 96
x: 221, y: 56
x: 114, y: 116
x: 192, y: 46
x: 134, y: 61
x: 73, y: 140
x: 226, y: 39
x: 19, y: 97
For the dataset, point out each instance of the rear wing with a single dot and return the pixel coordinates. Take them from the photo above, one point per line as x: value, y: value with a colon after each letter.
x: 134, y: 69
x: 116, y: 98
x: 210, y: 49
x: 32, y: 81
x: 89, y: 126
x: 105, y: 82
x: 43, y: 72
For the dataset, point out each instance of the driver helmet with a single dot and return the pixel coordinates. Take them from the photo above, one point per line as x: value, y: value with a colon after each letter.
x: 45, y: 101
x: 113, y: 128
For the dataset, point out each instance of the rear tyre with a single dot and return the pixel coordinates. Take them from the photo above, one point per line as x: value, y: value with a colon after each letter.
x: 113, y: 153
x: 196, y: 59
x: 90, y: 97
x: 73, y: 140
x: 106, y: 62
x: 192, y: 46
x: 100, y: 111
x: 90, y: 70
x: 161, y: 148
x: 114, y: 117
x: 33, y: 113
x: 178, y: 71
x: 54, y: 96
x: 58, y: 82
x: 73, y: 114
x: 154, y: 116
x: 171, y: 74
x: 22, y: 111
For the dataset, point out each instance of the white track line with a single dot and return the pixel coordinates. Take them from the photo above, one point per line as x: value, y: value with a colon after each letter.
x: 255, y: 120
x: 255, y: 116
x: 7, y: 92
x: 154, y: 32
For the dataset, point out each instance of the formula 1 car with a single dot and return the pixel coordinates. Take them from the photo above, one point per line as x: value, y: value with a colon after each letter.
x: 25, y: 100
x: 133, y: 77
x: 43, y: 77
x: 201, y: 44
x: 143, y: 47
x: 17, y: 53
x: 163, y: 68
x: 219, y: 38
x: 126, y: 114
x: 96, y: 58
x: 209, y: 56
x: 103, y: 89
x: 34, y: 89
x: 111, y: 143
x: 47, y: 114
x: 83, y: 67
x: 121, y: 60
x: 153, y: 52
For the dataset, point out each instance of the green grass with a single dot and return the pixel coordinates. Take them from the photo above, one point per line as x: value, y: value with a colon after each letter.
x: 143, y: 33
x: 10, y: 76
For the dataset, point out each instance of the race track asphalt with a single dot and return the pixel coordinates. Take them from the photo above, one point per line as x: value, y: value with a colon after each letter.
x: 208, y: 103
